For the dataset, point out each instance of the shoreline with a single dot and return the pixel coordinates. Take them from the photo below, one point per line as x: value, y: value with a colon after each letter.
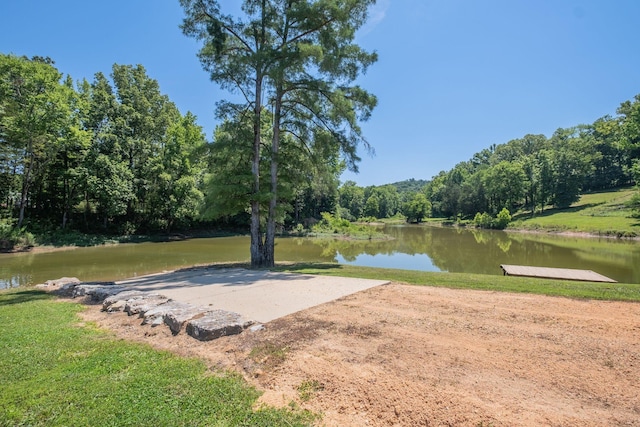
x: 38, y: 249
x: 551, y: 232
x: 566, y: 233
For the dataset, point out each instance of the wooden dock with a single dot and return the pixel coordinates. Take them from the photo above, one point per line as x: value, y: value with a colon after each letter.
x: 555, y: 273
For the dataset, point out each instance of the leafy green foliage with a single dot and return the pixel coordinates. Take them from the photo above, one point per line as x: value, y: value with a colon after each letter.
x: 534, y: 172
x: 33, y: 112
x: 410, y: 185
x: 97, y: 153
x: 417, y: 209
x: 300, y: 59
x: 335, y: 225
x: 500, y: 222
x: 14, y: 238
x: 351, y: 200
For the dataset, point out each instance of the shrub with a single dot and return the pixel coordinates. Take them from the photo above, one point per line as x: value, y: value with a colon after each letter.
x: 503, y: 219
x: 634, y: 205
x: 483, y: 220
x: 298, y: 229
x: 14, y: 238
x: 500, y: 222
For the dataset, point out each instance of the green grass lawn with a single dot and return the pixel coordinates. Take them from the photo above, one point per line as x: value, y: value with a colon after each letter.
x: 57, y: 371
x: 602, y: 213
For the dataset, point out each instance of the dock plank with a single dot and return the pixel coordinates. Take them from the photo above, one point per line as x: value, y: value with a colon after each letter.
x: 555, y: 273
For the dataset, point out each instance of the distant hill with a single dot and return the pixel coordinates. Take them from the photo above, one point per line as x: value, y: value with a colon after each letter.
x: 411, y: 185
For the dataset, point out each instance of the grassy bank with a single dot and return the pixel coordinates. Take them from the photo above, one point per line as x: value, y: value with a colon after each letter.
x: 599, y: 214
x: 571, y: 289
x: 58, y: 372
x: 603, y: 213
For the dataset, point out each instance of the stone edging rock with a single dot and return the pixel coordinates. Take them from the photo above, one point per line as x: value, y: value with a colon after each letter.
x: 201, y: 323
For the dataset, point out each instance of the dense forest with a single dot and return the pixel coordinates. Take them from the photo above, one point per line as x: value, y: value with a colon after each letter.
x: 116, y: 155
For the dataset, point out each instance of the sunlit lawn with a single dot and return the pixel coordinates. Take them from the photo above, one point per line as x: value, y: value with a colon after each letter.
x: 603, y: 213
x: 56, y: 371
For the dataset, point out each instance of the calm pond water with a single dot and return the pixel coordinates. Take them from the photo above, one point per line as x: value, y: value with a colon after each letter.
x: 413, y: 247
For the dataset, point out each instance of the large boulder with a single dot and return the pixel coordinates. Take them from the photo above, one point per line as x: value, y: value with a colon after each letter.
x: 63, y: 286
x: 117, y: 302
x: 60, y: 282
x: 175, y: 319
x: 155, y: 316
x: 141, y: 305
x: 215, y: 324
x: 96, y: 291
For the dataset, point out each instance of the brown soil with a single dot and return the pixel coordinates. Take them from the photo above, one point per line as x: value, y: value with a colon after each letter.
x: 400, y: 355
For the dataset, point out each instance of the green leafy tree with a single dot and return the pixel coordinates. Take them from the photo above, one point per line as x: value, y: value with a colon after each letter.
x: 435, y: 191
x: 141, y: 119
x: 634, y: 203
x: 545, y: 179
x: 176, y: 174
x: 33, y: 109
x: 229, y: 185
x: 389, y: 201
x: 610, y: 167
x: 483, y: 220
x: 109, y: 188
x: 300, y: 59
x: 529, y: 167
x: 572, y: 163
x: 451, y: 191
x: 630, y: 130
x: 473, y: 195
x: 504, y: 184
x: 417, y: 209
x: 503, y: 219
x: 372, y: 206
x: 500, y: 222
x: 352, y: 199
x: 68, y: 172
x: 111, y: 185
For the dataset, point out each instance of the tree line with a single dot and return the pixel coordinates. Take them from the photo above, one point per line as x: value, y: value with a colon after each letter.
x: 107, y: 154
x: 530, y: 173
x: 115, y: 154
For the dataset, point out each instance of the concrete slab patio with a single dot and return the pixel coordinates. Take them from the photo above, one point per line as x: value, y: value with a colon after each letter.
x: 261, y: 295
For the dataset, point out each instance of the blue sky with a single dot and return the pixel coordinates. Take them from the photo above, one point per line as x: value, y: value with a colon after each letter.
x: 453, y: 77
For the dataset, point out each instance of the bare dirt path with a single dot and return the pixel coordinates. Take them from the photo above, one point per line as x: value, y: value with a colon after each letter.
x: 400, y: 355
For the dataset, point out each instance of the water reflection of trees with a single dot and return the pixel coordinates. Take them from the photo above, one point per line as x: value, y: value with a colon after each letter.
x: 350, y: 249
x: 482, y: 251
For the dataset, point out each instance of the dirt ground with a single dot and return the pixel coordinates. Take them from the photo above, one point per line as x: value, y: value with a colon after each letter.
x: 399, y: 355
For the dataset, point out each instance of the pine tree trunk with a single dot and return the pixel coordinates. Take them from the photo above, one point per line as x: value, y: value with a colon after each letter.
x: 269, y: 249
x: 26, y: 183
x: 257, y: 246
